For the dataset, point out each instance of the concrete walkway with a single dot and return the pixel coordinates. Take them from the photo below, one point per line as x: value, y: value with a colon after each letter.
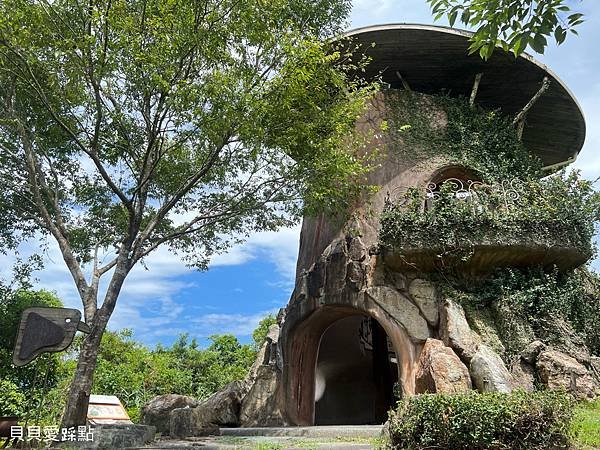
x: 333, y: 431
x: 287, y: 438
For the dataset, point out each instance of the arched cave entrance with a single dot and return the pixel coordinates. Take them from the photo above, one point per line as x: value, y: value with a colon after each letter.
x: 355, y: 373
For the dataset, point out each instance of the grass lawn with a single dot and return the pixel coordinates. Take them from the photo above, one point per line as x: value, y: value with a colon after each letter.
x: 586, y: 426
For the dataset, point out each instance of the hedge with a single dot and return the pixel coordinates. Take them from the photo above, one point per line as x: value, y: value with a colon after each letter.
x: 476, y: 421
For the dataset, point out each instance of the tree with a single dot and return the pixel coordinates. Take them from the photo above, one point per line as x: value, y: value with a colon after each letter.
x: 126, y: 125
x: 510, y: 24
x: 260, y: 334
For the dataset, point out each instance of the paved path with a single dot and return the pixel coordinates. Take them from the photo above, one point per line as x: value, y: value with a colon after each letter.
x: 287, y: 438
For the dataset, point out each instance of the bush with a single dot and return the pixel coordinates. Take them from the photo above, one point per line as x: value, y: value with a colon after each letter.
x: 12, y: 400
x: 557, y: 211
x: 483, y: 421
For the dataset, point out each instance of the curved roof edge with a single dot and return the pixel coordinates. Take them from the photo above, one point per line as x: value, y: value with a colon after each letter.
x: 430, y: 37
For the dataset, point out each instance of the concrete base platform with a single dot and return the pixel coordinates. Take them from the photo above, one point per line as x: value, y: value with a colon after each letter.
x: 330, y: 431
x: 344, y: 437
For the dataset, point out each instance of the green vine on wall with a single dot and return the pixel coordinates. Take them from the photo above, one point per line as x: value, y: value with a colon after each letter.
x: 528, y: 304
x: 422, y: 126
x: 561, y: 210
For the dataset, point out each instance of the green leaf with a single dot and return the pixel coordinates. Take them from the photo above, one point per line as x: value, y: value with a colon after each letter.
x: 466, y: 16
x: 538, y: 43
x: 560, y: 34
x: 452, y: 18
x: 575, y: 17
x: 518, y: 46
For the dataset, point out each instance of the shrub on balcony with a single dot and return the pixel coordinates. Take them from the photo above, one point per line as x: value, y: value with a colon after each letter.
x: 560, y: 210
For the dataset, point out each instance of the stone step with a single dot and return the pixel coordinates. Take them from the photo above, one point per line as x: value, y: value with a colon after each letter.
x: 319, y: 431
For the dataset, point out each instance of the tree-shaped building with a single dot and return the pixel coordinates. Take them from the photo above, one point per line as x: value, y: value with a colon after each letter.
x: 462, y: 269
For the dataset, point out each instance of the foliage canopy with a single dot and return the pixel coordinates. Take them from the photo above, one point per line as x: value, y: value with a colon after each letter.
x: 512, y: 25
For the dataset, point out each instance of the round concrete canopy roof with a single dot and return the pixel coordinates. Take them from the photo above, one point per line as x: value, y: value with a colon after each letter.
x: 433, y: 59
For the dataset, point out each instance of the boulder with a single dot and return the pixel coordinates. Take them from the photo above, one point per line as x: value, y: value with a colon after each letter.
x: 402, y: 310
x: 260, y: 406
x: 456, y: 332
x: 425, y: 296
x: 488, y: 371
x: 183, y: 424
x: 112, y: 437
x: 439, y: 370
x: 220, y: 409
x: 531, y: 352
x: 523, y: 375
x: 156, y: 411
x: 560, y: 371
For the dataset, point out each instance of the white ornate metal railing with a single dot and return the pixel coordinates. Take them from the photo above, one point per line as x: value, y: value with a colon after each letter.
x: 506, y: 194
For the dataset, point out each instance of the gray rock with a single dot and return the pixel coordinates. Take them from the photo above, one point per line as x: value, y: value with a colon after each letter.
x: 560, y: 371
x: 156, y: 411
x: 115, y: 436
x: 315, y: 279
x: 425, y: 295
x: 356, y: 275
x: 532, y: 351
x: 220, y: 409
x: 439, y: 370
x: 402, y: 310
x: 523, y: 375
x: 488, y: 371
x: 260, y: 407
x: 335, y: 271
x: 398, y: 280
x: 456, y: 332
x: 356, y: 249
x: 183, y: 424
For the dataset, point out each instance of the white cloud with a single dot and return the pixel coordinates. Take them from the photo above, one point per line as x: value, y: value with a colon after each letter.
x: 237, y: 324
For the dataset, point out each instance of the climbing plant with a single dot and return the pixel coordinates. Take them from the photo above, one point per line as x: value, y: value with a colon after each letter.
x: 508, y: 203
x: 557, y: 211
x: 534, y: 299
x: 421, y: 126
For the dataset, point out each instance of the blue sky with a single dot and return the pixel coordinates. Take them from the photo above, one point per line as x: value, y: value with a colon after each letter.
x: 256, y: 278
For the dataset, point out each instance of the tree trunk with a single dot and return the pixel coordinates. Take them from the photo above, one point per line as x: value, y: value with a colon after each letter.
x: 79, y: 392
x: 81, y: 387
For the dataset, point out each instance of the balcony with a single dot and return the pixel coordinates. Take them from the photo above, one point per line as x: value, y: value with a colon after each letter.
x: 475, y: 227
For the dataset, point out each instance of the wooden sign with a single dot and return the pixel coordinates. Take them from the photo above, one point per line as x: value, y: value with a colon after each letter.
x: 105, y: 409
x: 45, y: 330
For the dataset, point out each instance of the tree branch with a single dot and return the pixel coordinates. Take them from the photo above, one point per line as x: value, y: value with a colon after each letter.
x: 475, y: 89
x: 521, y: 116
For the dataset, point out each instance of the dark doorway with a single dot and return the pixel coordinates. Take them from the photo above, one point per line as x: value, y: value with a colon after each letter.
x: 355, y: 375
